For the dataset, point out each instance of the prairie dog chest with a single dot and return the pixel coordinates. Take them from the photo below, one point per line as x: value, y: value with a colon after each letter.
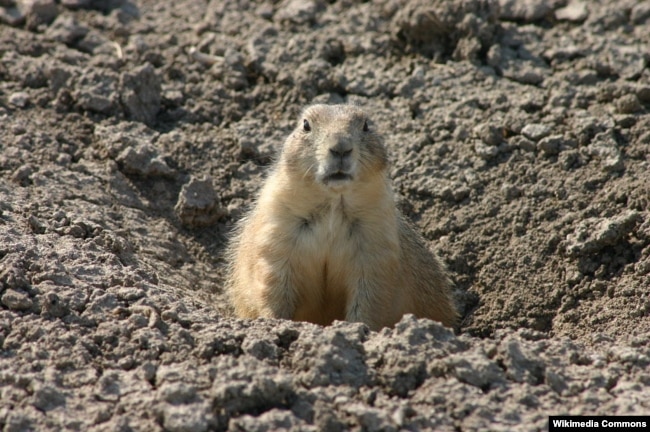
x: 326, y: 262
x: 329, y: 232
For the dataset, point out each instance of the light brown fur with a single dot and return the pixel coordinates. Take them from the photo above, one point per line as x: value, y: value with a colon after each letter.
x: 325, y: 240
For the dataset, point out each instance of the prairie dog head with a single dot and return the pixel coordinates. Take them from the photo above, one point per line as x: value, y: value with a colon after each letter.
x: 334, y: 146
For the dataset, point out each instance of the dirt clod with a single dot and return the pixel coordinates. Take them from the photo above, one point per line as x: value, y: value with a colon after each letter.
x: 198, y: 203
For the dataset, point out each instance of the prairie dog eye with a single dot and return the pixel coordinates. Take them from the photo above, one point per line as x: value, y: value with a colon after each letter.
x: 306, y: 126
x: 365, y: 126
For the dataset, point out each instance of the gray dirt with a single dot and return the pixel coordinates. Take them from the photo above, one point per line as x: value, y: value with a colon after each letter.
x: 134, y: 134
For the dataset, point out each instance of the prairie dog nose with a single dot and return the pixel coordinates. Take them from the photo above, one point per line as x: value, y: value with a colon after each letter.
x: 341, y: 148
x: 340, y: 153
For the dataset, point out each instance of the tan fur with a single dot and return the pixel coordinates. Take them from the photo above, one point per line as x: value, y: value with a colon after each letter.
x: 319, y: 248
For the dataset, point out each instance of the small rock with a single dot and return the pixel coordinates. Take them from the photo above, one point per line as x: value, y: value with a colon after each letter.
x: 64, y: 159
x: 37, y: 225
x: 455, y: 192
x: 19, y: 99
x: 114, y: 139
x: 173, y: 98
x: 625, y: 121
x: 97, y: 91
x: 143, y: 160
x: 467, y: 49
x: 184, y: 419
x: 107, y: 388
x: 78, y: 229
x: 13, y: 274
x: 476, y: 370
x: 148, y: 371
x: 16, y: 300
x: 484, y: 151
x: 605, y: 147
x: 523, y: 143
x: 140, y: 94
x: 536, y: 131
x: 130, y: 294
x: 551, y: 145
x: 19, y: 421
x: 177, y: 393
x: 521, y: 364
x: 592, y: 235
x: 333, y: 356
x: 102, y: 303
x: 22, y: 175
x: 66, y: 29
x: 437, y: 26
x: 489, y: 134
x: 54, y: 305
x: 198, y: 204
x: 642, y: 267
x: 265, y: 11
x: 524, y: 71
x: 524, y: 10
x: 95, y: 43
x: 11, y: 16
x: 510, y: 191
x: 569, y: 159
x: 628, y: 104
x: 417, y: 22
x: 640, y: 13
x: 575, y: 11
x: 18, y: 128
x: 38, y: 12
x: 299, y: 11
x: 232, y: 71
x: 261, y: 349
x: 46, y: 397
x: 556, y: 381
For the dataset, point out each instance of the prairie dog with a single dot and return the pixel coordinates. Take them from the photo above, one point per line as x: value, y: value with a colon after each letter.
x: 325, y: 241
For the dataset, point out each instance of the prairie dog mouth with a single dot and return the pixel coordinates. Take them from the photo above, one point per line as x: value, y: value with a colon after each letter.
x: 337, y: 180
x: 338, y: 176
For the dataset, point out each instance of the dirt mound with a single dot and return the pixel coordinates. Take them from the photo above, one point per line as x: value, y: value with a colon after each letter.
x: 134, y: 134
